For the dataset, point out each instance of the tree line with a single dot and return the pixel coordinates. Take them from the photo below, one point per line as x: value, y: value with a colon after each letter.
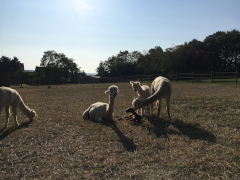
x: 217, y: 52
x: 54, y: 67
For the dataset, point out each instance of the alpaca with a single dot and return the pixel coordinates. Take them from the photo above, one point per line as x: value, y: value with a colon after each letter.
x: 10, y: 97
x: 160, y: 88
x: 131, y: 117
x: 144, y: 92
x: 102, y: 111
x: 135, y: 117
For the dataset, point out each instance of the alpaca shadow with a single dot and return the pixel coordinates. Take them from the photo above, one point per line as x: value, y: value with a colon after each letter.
x: 4, y: 134
x: 127, y: 143
x: 176, y: 126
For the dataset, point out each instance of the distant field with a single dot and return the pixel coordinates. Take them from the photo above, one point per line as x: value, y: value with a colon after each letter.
x: 202, y: 140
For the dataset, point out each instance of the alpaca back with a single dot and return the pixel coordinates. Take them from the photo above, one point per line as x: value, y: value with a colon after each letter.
x: 11, y: 96
x: 161, y: 86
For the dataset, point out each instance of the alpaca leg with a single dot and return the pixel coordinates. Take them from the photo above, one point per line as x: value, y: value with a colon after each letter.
x: 148, y: 110
x: 7, y: 110
x: 168, y: 108
x: 141, y: 111
x: 151, y: 113
x: 14, y: 109
x: 158, y: 108
x: 152, y: 92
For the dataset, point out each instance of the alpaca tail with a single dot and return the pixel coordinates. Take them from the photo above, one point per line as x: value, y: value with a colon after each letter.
x: 86, y: 115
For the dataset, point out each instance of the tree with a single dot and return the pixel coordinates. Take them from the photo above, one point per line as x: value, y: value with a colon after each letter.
x: 61, y: 68
x: 22, y: 75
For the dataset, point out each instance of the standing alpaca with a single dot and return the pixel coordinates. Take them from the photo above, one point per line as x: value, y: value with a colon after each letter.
x: 143, y: 92
x: 160, y: 88
x: 10, y: 97
x: 102, y: 111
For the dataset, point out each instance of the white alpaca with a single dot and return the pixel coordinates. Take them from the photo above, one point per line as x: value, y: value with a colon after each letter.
x: 10, y: 97
x: 144, y: 92
x: 102, y: 111
x: 160, y: 88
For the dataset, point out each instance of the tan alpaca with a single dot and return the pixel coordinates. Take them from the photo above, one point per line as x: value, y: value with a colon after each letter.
x: 10, y: 97
x: 102, y: 111
x: 160, y: 88
x: 144, y: 92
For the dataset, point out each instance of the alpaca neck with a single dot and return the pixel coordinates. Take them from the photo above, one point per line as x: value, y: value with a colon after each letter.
x: 111, y: 104
x: 150, y: 100
x: 25, y: 110
x: 140, y: 90
x: 134, y: 113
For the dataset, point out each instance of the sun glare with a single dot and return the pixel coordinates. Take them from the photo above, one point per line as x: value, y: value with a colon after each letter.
x: 82, y: 5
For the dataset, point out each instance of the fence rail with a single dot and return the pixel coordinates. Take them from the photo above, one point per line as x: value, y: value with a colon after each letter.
x: 213, y: 77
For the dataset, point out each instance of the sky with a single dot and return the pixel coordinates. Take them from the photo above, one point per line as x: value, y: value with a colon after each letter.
x: 90, y: 31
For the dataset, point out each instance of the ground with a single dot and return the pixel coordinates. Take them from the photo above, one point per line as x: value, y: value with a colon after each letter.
x: 202, y: 140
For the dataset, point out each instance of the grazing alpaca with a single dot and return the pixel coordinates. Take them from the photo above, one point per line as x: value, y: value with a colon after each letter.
x: 102, y: 111
x: 132, y: 117
x: 160, y: 88
x: 143, y: 92
x: 10, y: 97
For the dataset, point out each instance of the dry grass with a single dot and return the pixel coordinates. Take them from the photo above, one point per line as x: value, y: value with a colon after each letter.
x: 201, y: 142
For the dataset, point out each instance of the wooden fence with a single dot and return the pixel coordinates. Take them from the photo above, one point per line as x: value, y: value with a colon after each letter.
x: 212, y: 77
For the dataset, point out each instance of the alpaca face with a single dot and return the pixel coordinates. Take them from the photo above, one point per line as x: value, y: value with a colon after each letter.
x: 135, y: 85
x: 31, y: 115
x: 113, y: 90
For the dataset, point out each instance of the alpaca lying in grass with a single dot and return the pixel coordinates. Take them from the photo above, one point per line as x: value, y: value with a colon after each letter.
x: 102, y: 111
x: 144, y: 92
x: 10, y: 97
x: 132, y: 117
x: 160, y: 88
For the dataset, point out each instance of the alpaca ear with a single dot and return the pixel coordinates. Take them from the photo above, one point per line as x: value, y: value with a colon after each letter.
x: 107, y: 91
x: 131, y: 82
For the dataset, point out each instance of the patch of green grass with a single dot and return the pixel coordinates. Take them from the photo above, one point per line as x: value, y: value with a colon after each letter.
x: 202, y: 140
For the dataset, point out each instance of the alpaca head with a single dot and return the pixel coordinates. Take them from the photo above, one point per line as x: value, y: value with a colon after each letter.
x: 131, y: 110
x: 135, y: 85
x: 137, y: 103
x: 31, y: 115
x: 113, y: 90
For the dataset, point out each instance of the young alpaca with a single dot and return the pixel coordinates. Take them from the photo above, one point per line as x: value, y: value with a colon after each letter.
x: 10, y: 97
x: 131, y: 117
x: 144, y: 92
x: 160, y: 88
x: 135, y: 116
x: 102, y: 111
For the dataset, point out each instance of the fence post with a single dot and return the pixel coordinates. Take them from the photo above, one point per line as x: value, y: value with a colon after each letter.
x: 236, y: 76
x: 212, y: 77
x: 192, y: 77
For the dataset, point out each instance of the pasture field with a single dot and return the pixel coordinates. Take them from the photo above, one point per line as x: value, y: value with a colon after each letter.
x: 202, y: 141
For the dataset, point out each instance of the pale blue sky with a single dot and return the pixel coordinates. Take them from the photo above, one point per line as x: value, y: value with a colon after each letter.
x: 90, y: 31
